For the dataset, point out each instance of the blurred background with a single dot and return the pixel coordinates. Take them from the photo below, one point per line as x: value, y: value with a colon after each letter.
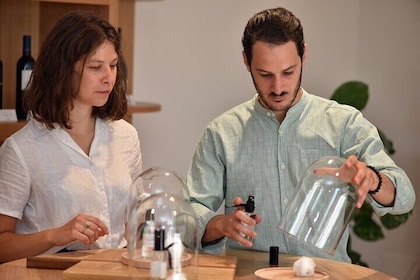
x: 188, y: 59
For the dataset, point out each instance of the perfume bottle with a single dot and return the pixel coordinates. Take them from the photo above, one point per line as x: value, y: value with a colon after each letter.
x: 148, y: 235
x: 249, y: 210
x: 159, y: 261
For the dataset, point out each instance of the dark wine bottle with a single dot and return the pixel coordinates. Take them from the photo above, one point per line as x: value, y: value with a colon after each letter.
x: 24, y: 68
x: 123, y: 63
x: 1, y: 85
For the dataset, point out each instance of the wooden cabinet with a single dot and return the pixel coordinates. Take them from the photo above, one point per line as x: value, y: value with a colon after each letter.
x: 36, y: 17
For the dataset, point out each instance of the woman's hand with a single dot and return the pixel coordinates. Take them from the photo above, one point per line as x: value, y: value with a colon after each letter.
x: 84, y: 228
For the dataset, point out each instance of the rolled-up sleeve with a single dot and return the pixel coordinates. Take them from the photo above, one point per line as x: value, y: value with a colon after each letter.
x: 206, y: 181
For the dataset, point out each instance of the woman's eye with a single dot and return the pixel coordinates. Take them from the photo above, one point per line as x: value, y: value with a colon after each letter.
x: 288, y: 73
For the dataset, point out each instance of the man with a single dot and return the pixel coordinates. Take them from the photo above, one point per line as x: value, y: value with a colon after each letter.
x: 262, y: 147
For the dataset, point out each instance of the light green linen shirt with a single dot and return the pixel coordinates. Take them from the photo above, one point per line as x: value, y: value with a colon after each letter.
x: 245, y: 151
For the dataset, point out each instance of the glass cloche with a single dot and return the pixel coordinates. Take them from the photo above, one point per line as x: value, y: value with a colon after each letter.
x: 321, y: 206
x: 162, y: 228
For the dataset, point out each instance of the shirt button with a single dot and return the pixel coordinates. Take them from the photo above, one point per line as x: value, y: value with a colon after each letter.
x: 280, y: 131
x: 268, y: 114
x: 282, y: 166
x: 285, y: 201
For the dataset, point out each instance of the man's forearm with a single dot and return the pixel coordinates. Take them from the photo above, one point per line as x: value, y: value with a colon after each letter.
x: 386, y: 195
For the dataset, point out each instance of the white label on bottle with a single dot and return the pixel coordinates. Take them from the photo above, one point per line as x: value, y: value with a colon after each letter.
x: 148, y: 245
x: 26, y: 76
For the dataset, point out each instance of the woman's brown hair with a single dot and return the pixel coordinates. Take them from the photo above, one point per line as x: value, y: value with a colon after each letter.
x: 52, y: 90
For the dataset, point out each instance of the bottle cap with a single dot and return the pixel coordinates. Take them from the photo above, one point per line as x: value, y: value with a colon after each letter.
x: 274, y: 256
x: 150, y: 214
x: 250, y: 204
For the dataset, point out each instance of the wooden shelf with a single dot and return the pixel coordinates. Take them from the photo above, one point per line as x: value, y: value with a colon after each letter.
x: 141, y: 107
x: 8, y: 128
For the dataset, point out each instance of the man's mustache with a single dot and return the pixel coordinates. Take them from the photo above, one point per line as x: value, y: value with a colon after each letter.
x: 279, y: 94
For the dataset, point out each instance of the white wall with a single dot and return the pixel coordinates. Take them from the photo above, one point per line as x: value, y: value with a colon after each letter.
x: 188, y: 59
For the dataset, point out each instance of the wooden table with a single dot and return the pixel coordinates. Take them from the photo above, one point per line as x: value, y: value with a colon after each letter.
x: 232, y: 264
x: 249, y: 262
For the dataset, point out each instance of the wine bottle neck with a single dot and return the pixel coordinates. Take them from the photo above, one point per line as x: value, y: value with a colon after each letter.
x: 26, y: 45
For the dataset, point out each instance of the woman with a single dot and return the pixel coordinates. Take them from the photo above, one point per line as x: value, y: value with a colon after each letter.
x: 65, y: 176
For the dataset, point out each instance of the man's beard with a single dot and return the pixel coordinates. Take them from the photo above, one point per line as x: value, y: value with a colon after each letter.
x: 296, y: 91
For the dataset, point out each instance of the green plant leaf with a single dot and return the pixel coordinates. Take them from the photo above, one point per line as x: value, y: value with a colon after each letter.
x: 356, y: 258
x: 388, y: 144
x: 368, y: 229
x: 356, y: 94
x: 393, y: 221
x: 353, y: 93
x: 364, y: 213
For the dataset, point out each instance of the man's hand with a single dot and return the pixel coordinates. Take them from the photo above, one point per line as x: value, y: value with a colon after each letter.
x: 232, y: 226
x: 363, y: 178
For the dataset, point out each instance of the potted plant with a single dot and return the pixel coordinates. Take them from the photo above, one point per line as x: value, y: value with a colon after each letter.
x: 363, y: 224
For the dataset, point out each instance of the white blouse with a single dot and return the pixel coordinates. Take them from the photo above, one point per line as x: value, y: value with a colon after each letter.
x: 46, y: 179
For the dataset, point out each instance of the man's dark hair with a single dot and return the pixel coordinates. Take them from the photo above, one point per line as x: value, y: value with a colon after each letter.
x: 275, y: 26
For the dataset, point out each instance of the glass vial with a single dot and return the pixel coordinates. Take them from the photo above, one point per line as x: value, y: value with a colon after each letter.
x: 159, y: 261
x: 176, y: 252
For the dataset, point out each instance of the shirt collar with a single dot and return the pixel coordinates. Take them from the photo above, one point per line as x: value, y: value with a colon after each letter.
x: 292, y: 114
x: 261, y: 110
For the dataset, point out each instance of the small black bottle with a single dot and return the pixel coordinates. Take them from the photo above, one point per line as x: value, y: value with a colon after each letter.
x: 159, y: 261
x: 24, y: 68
